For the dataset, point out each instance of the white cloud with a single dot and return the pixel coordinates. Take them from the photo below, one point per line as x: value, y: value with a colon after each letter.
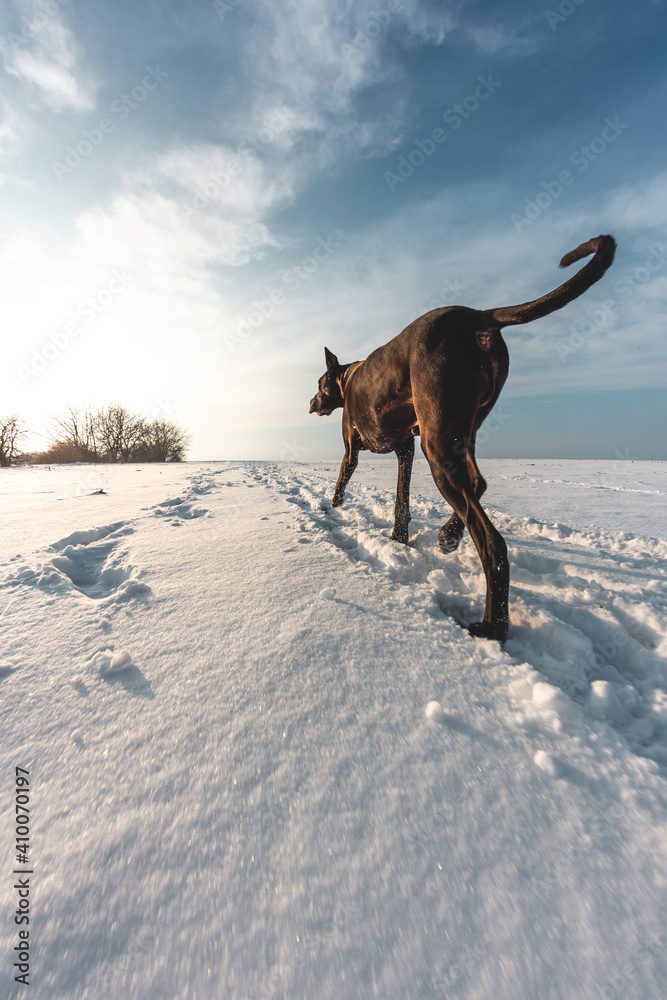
x: 494, y: 38
x: 147, y: 230
x: 642, y: 207
x: 47, y: 57
x: 224, y: 181
x: 163, y: 336
x: 13, y: 127
x: 431, y: 254
x: 319, y: 58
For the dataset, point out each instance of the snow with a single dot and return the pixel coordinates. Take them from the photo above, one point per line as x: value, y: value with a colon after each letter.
x: 434, y: 712
x: 547, y: 763
x: 267, y: 761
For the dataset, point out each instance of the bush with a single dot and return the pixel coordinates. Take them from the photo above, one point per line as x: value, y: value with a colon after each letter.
x: 113, y: 434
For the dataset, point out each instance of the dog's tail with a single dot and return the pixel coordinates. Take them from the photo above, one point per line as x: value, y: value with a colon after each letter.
x: 604, y: 248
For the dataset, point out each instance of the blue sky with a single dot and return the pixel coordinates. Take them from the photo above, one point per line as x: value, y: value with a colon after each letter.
x: 198, y: 197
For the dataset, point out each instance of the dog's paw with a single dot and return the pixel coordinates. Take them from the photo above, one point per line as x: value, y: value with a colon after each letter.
x: 489, y: 630
x: 400, y: 536
x: 448, y: 541
x: 337, y: 501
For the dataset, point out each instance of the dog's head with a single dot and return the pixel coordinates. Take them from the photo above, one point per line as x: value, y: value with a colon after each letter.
x: 329, y: 396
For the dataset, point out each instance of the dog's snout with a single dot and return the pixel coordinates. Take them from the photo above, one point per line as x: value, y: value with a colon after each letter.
x: 313, y: 405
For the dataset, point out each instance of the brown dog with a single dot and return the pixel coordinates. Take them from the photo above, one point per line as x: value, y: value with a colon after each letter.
x: 439, y: 379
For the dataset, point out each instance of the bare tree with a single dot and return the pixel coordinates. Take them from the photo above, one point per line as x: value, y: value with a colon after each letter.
x: 164, y: 441
x: 119, y: 432
x: 113, y: 434
x: 11, y: 433
x: 78, y: 430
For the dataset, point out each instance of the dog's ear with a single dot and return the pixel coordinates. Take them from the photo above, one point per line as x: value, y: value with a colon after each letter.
x: 331, y: 359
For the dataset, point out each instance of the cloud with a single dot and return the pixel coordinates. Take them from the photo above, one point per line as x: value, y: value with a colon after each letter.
x: 431, y: 255
x: 164, y: 335
x: 147, y: 230
x: 642, y: 207
x: 13, y: 127
x: 225, y: 181
x: 321, y: 61
x: 46, y: 55
x: 340, y: 72
x: 305, y: 89
x: 493, y: 39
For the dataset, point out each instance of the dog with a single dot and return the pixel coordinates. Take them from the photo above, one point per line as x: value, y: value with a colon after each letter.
x: 438, y: 380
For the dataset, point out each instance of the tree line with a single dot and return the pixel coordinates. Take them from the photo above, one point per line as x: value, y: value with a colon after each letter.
x: 110, y: 434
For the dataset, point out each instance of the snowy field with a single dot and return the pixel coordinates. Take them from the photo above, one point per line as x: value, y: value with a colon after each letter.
x: 240, y: 785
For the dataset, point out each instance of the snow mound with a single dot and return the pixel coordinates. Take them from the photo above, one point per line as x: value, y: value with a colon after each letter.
x: 548, y: 764
x: 434, y: 712
x: 109, y: 663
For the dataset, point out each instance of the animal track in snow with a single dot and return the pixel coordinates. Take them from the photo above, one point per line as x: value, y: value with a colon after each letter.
x: 589, y: 607
x: 88, y: 561
x: 183, y: 507
x: 89, y: 535
x: 178, y: 508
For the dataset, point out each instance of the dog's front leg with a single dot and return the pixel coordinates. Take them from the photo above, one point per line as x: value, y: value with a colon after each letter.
x: 348, y: 465
x: 405, y: 454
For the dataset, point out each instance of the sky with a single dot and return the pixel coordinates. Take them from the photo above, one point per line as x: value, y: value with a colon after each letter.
x: 198, y: 197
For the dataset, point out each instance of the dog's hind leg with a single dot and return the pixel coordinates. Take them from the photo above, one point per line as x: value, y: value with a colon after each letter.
x: 405, y: 453
x: 451, y: 533
x: 348, y: 465
x: 446, y: 454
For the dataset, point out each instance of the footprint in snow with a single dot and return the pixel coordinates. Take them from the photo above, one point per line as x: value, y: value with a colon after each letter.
x: 180, y: 508
x: 89, y: 535
x: 589, y: 608
x: 89, y: 562
x: 98, y: 572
